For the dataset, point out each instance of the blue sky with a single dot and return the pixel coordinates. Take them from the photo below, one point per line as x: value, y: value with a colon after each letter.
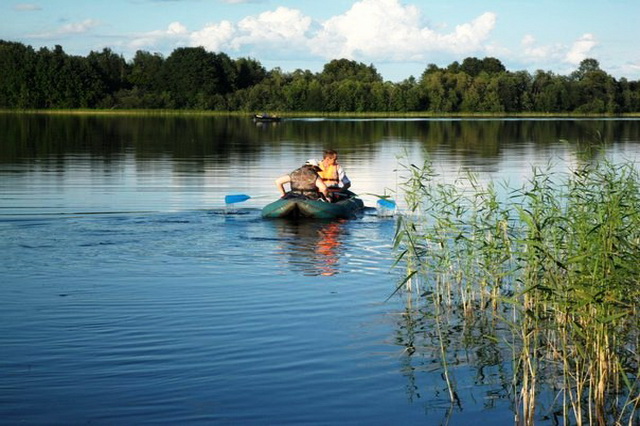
x: 399, y: 37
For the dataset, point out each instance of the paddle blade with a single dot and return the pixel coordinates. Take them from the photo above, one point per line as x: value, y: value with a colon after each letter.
x: 386, y: 204
x: 236, y: 198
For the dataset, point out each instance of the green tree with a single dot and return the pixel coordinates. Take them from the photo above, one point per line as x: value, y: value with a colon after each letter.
x: 443, y: 90
x: 379, y: 97
x: 492, y: 66
x: 17, y: 66
x: 145, y: 71
x: 586, y: 66
x: 412, y: 95
x: 433, y: 68
x: 471, y: 66
x: 344, y: 69
x: 434, y: 87
x: 194, y: 76
x: 315, y: 100
x: 550, y: 93
x: 112, y: 69
x: 475, y: 66
x: 513, y: 90
x: 597, y: 89
x: 629, y: 95
x: 249, y: 72
x: 491, y: 101
x: 296, y: 92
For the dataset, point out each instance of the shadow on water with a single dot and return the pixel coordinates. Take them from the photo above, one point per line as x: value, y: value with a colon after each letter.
x: 312, y: 247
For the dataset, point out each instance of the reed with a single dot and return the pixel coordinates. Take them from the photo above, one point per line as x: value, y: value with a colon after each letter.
x: 557, y: 263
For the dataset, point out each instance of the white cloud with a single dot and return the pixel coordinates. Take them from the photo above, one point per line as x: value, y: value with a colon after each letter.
x: 283, y: 26
x: 469, y: 37
x: 214, y: 37
x: 176, y: 28
x: 78, y: 27
x: 528, y: 40
x: 174, y: 35
x: 629, y: 70
x: 73, y: 28
x: 283, y: 31
x: 581, y: 49
x: 387, y: 30
x: 533, y: 52
x: 370, y: 27
x: 371, y: 30
x: 26, y: 7
x: 556, y: 55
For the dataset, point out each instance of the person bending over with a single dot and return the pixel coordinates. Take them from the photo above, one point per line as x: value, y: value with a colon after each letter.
x: 304, y: 181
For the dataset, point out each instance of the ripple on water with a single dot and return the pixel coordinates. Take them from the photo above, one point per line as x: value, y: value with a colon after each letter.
x: 217, y: 310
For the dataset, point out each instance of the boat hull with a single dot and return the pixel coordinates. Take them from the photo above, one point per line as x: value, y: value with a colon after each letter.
x: 296, y: 208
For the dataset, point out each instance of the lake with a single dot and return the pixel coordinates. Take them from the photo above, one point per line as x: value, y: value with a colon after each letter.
x: 131, y: 294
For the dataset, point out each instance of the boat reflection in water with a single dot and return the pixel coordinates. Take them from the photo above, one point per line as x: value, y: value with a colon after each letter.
x: 311, y: 247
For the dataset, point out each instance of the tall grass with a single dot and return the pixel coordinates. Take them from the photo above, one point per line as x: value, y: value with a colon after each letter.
x: 554, y: 267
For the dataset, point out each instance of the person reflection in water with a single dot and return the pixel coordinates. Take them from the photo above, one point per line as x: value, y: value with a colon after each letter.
x: 312, y: 247
x: 328, y: 248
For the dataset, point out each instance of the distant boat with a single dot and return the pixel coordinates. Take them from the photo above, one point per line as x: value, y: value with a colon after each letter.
x: 266, y: 118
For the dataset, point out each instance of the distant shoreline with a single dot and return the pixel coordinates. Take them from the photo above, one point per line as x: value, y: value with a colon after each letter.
x: 292, y: 114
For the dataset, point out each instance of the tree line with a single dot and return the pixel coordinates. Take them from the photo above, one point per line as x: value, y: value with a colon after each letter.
x: 193, y: 78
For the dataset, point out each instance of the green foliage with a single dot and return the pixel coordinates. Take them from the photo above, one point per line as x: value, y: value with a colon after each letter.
x: 557, y: 262
x: 474, y: 66
x: 249, y: 72
x: 193, y: 78
x: 344, y: 69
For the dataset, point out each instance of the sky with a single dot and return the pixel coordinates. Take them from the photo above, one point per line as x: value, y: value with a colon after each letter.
x: 400, y: 38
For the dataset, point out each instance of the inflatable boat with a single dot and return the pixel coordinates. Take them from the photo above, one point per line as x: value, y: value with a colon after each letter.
x: 295, y: 206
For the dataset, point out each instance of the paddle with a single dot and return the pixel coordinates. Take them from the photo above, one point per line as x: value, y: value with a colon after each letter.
x: 386, y: 204
x: 384, y: 201
x: 238, y: 198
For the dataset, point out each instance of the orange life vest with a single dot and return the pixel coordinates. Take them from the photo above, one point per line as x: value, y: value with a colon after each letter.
x: 329, y: 175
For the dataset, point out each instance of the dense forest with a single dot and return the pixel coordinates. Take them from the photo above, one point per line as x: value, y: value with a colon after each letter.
x: 193, y: 78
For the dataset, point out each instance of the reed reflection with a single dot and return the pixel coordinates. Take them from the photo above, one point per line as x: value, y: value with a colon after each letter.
x: 311, y: 247
x: 455, y: 366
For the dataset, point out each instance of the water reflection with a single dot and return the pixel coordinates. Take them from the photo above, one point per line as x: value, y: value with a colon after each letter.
x: 220, y: 138
x: 454, y: 366
x: 311, y: 247
x: 265, y: 125
x: 179, y: 268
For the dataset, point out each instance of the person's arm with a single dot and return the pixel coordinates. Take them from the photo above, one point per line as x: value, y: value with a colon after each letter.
x: 280, y: 183
x: 342, y: 176
x: 323, y: 188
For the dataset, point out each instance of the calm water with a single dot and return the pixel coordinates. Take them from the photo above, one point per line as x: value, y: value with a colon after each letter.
x: 131, y: 295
